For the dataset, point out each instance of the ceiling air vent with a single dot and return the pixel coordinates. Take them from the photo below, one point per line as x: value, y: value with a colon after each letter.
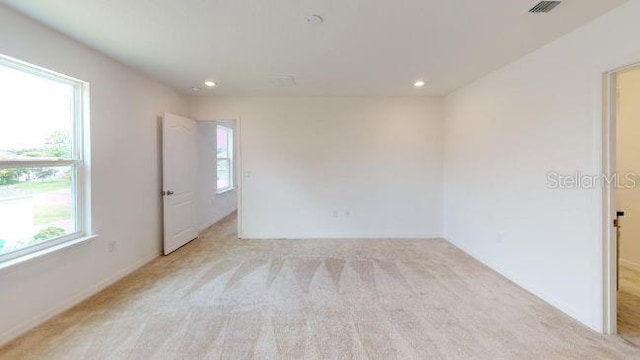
x: 282, y: 80
x: 544, y: 6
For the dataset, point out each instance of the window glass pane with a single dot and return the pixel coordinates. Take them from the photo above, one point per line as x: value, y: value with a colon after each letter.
x: 222, y: 142
x: 224, y: 173
x: 36, y: 205
x: 36, y: 116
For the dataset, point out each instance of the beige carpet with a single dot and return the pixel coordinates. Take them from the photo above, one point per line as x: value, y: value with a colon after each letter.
x: 323, y: 299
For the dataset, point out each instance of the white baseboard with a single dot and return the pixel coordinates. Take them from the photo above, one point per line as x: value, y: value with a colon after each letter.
x: 534, y: 291
x: 288, y: 236
x: 71, y: 302
x: 215, y: 220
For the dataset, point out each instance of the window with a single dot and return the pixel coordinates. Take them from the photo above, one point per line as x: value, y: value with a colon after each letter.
x: 41, y: 159
x: 224, y: 145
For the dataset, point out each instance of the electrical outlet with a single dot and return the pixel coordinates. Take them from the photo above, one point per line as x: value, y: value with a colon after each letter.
x: 347, y: 213
x: 335, y: 213
x: 113, y: 246
x: 500, y: 237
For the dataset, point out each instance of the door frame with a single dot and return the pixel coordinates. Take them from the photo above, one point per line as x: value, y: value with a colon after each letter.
x: 239, y: 174
x: 609, y: 205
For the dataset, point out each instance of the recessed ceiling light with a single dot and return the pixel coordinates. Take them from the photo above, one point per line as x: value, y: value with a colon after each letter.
x: 315, y: 19
x: 210, y: 83
x: 419, y: 83
x: 195, y: 89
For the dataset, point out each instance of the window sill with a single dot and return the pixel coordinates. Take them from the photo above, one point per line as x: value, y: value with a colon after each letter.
x: 45, y: 251
x: 225, y: 191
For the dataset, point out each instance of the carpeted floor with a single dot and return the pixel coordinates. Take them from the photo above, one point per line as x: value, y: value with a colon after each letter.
x: 219, y: 297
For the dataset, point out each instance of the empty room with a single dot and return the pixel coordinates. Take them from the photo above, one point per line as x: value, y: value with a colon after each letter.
x: 418, y: 179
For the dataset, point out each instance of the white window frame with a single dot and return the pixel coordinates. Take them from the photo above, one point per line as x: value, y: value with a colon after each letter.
x: 78, y: 162
x: 230, y: 147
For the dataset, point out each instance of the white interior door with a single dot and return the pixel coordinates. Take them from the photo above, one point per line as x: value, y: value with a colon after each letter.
x: 179, y: 176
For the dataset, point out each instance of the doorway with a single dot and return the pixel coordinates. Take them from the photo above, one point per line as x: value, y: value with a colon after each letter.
x: 219, y: 183
x: 622, y: 204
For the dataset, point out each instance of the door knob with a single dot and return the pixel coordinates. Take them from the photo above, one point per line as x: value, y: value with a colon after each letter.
x: 169, y: 192
x: 164, y: 193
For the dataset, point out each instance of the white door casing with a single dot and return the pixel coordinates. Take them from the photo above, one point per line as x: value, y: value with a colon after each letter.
x: 179, y: 175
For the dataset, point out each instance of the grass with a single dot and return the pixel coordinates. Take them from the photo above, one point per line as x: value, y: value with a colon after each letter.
x: 46, y: 211
x: 47, y: 214
x: 43, y: 186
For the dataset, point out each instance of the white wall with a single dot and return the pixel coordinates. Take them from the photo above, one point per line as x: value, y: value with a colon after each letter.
x: 628, y: 161
x: 212, y: 207
x: 125, y: 147
x: 378, y: 158
x: 504, y: 132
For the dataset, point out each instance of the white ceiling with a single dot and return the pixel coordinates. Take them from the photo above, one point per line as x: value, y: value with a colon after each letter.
x: 364, y: 47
